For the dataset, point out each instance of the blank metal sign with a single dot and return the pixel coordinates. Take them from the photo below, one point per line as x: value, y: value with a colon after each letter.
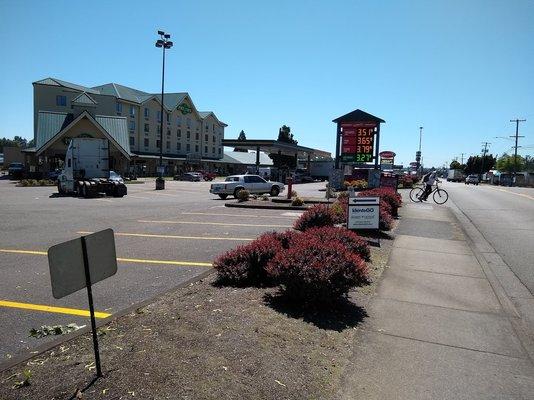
x: 67, y: 271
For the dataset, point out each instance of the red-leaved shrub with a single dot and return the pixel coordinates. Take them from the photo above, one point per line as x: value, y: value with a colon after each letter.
x: 389, y: 195
x: 352, y: 242
x: 318, y: 215
x: 246, y: 264
x: 285, y: 238
x: 385, y: 220
x: 314, y: 271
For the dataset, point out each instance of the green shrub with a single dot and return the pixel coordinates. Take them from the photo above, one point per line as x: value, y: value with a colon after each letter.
x: 294, y: 193
x: 297, y: 201
x: 243, y: 195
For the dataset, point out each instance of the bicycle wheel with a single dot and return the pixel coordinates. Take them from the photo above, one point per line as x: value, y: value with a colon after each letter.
x: 440, y: 196
x: 415, y: 194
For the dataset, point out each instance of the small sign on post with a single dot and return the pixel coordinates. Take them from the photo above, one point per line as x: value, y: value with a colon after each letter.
x: 363, y: 213
x: 81, y: 263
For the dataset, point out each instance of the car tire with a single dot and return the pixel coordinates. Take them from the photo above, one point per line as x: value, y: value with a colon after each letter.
x: 223, y: 196
x: 275, y: 191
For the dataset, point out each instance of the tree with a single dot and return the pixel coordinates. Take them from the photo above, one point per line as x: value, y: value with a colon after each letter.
x: 455, y: 165
x: 241, y: 137
x: 479, y: 165
x: 529, y: 163
x: 285, y: 135
x: 506, y: 163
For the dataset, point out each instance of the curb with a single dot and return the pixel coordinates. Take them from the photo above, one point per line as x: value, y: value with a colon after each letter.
x: 13, y: 362
x: 265, y: 206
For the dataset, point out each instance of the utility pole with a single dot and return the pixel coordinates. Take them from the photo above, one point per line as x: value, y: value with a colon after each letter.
x: 484, y: 151
x: 462, y: 159
x: 517, y: 121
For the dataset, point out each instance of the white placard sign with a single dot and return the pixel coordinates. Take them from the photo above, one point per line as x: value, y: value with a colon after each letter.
x: 363, y: 213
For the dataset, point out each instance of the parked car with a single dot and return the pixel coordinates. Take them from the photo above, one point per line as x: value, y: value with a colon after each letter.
x: 16, y: 170
x: 253, y: 183
x: 472, y: 179
x: 189, y: 176
x: 207, y: 176
x: 53, y: 175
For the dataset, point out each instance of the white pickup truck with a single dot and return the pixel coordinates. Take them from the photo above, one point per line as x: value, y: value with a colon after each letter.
x: 253, y: 183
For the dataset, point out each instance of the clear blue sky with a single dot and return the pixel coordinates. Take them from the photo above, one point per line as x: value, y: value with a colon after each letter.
x: 461, y: 69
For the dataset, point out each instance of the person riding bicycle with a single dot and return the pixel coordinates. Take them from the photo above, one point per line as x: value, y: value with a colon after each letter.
x: 429, y: 179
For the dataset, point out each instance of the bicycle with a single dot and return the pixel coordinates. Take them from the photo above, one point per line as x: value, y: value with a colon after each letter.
x: 440, y: 196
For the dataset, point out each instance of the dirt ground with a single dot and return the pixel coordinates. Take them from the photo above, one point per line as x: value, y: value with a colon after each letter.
x: 205, y: 342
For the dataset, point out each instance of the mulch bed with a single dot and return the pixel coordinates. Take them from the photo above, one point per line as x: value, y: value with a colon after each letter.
x: 205, y: 341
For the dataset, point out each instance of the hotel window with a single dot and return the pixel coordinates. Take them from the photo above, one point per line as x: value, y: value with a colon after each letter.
x: 178, y: 133
x: 196, y: 148
x: 206, y: 138
x: 168, y: 145
x: 178, y: 146
x: 205, y: 149
x: 119, y: 108
x: 219, y: 150
x: 132, y: 111
x: 188, y: 135
x: 179, y: 120
x: 189, y: 122
x: 132, y: 125
x: 187, y: 147
x: 196, y: 136
x: 159, y: 116
x: 168, y: 132
x: 207, y: 127
x: 159, y: 129
x: 213, y: 150
x: 157, y: 143
x: 147, y: 128
x: 132, y: 141
x: 61, y: 100
x: 168, y: 118
x: 146, y: 142
x: 147, y: 113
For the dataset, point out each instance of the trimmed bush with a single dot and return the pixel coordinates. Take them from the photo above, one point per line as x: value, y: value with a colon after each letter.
x: 246, y: 264
x: 316, y: 272
x: 316, y: 216
x: 297, y: 201
x: 385, y: 221
x: 389, y: 195
x: 340, y: 212
x: 350, y: 240
x: 285, y: 238
x: 356, y: 184
x: 243, y: 195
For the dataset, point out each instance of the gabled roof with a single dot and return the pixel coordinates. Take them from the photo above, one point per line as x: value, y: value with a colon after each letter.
x: 57, y: 82
x: 84, y: 99
x: 358, y: 116
x: 123, y: 92
x: 172, y: 100
x: 51, y: 126
x: 206, y: 114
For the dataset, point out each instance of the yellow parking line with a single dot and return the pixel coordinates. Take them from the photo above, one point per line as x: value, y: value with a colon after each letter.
x: 238, y: 215
x: 51, y: 309
x: 125, y: 260
x: 183, y: 263
x: 150, y: 235
x: 212, y: 223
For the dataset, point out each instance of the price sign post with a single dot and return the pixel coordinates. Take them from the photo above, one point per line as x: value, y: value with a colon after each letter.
x: 358, y: 138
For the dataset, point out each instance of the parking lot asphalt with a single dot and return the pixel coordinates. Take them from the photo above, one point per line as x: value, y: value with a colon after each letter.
x: 163, y: 238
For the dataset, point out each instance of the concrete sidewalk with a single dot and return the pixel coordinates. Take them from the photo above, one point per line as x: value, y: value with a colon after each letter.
x: 440, y: 326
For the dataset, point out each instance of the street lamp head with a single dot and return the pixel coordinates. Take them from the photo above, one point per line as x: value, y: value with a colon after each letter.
x: 167, y: 36
x: 161, y: 33
x: 168, y: 45
x: 159, y: 43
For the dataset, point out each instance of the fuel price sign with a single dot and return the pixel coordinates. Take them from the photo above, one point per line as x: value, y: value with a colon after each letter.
x: 358, y: 142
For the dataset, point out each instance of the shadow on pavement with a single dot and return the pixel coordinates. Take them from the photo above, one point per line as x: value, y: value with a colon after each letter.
x: 343, y: 314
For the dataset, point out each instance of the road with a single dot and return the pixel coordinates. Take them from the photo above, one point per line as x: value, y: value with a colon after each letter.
x: 505, y: 217
x: 162, y: 238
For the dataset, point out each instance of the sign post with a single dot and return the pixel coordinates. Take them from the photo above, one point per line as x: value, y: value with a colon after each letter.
x: 81, y: 263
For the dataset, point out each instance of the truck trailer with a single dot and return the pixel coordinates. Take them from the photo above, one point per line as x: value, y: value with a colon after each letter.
x: 455, y: 175
x: 86, y: 172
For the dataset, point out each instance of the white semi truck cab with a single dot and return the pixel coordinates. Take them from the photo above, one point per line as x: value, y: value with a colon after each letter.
x: 86, y: 171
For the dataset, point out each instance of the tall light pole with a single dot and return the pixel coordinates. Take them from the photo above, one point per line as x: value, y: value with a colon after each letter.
x: 517, y: 121
x: 164, y: 43
x: 418, y: 153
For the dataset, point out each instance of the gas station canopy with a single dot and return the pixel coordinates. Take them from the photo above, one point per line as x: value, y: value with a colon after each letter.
x: 276, y: 147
